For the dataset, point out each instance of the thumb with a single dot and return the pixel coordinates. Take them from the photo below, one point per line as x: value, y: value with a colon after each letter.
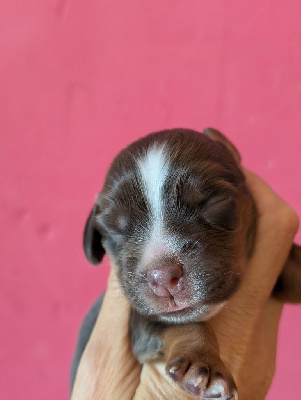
x: 108, y: 369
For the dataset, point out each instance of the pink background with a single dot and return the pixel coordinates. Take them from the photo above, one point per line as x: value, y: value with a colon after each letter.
x: 81, y: 79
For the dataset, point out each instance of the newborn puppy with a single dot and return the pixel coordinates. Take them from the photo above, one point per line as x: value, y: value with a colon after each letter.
x: 178, y: 220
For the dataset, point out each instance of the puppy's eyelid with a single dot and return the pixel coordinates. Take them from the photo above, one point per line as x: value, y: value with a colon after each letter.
x: 188, y: 195
x: 220, y: 211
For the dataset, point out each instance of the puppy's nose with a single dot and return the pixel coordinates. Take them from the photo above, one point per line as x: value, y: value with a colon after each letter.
x: 165, y: 280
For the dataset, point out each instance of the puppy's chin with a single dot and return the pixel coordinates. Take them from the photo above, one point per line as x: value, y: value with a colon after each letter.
x: 193, y: 313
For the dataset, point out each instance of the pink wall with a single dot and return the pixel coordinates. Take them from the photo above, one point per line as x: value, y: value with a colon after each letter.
x: 81, y: 79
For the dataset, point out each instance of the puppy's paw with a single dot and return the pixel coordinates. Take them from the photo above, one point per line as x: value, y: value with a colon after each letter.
x: 208, y: 379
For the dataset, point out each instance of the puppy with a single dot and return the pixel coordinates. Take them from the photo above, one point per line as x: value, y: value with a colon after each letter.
x: 176, y: 216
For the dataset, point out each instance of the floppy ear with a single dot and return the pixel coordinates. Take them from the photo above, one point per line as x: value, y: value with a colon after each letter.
x: 92, y: 239
x: 217, y: 136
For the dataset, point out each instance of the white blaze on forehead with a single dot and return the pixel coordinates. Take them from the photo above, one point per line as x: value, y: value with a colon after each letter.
x: 153, y: 167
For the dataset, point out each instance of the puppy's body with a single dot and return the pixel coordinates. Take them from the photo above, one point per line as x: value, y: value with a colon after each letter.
x: 177, y: 218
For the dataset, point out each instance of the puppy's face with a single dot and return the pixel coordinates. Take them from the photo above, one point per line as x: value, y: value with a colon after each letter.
x: 172, y: 216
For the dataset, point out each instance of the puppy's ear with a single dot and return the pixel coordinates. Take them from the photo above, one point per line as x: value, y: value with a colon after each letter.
x: 217, y: 136
x: 93, y: 248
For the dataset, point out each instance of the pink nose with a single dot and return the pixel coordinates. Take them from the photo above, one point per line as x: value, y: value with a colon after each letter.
x: 165, y: 280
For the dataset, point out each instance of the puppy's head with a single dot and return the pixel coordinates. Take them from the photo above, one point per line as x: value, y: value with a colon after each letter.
x: 177, y: 219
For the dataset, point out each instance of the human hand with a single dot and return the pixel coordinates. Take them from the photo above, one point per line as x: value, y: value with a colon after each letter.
x: 246, y: 329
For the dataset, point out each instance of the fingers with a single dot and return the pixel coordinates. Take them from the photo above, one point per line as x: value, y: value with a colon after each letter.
x: 108, y: 369
x: 156, y: 384
x: 276, y: 229
x: 268, y: 202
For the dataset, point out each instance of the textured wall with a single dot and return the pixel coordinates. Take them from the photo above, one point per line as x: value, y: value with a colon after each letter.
x: 81, y: 79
